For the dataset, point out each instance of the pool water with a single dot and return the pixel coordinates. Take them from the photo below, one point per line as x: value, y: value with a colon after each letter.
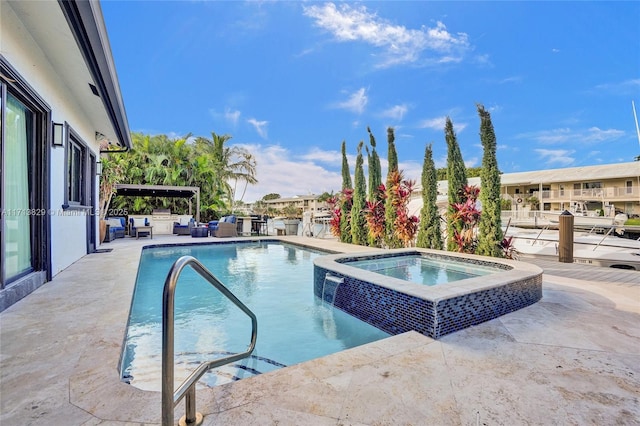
x: 274, y: 280
x: 422, y: 270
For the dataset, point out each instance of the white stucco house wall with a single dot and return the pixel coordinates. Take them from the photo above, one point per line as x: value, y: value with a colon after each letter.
x: 60, y: 102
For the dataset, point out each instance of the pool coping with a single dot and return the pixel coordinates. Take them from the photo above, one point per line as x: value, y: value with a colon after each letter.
x: 397, y: 306
x: 516, y: 271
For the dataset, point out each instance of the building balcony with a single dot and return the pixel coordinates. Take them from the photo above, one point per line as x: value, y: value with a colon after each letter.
x: 593, y: 194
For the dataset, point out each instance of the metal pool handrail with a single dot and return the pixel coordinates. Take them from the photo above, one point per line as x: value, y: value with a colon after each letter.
x: 188, y: 389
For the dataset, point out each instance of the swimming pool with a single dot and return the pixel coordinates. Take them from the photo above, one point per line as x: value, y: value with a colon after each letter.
x: 422, y: 269
x: 275, y: 280
x: 397, y: 305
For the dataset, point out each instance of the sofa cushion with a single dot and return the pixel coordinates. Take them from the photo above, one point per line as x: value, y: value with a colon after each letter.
x: 139, y: 222
x: 114, y: 223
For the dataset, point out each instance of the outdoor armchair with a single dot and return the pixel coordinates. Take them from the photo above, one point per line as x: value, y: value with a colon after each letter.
x: 134, y: 223
x: 225, y: 227
x: 183, y: 225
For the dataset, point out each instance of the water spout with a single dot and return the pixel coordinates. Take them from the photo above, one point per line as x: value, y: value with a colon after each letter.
x: 330, y: 288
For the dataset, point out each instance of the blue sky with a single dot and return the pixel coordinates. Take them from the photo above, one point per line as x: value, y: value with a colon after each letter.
x: 291, y: 80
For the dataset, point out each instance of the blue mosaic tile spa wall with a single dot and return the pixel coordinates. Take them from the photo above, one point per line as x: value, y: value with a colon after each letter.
x: 396, y: 312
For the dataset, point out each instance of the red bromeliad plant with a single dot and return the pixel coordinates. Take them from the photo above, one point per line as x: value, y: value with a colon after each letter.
x: 374, y: 213
x: 508, y: 249
x: 342, y: 201
x: 405, y: 226
x: 467, y: 216
x: 334, y: 224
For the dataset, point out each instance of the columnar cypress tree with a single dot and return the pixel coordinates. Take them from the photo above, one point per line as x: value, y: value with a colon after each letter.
x: 457, y: 180
x: 376, y: 193
x: 390, y: 212
x: 346, y: 199
x: 358, y: 220
x: 375, y: 170
x: 429, y: 235
x: 393, y: 156
x: 346, y: 175
x: 490, y: 231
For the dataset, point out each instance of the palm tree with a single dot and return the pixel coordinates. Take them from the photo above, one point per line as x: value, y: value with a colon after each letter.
x: 228, y: 164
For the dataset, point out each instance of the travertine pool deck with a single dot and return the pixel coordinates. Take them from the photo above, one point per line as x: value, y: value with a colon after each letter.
x: 572, y: 358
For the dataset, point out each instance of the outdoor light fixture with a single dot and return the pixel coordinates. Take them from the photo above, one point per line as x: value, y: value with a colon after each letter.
x: 99, y: 168
x: 58, y: 134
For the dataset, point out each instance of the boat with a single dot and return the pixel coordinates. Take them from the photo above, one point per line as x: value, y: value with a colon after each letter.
x: 585, y: 218
x: 589, y: 248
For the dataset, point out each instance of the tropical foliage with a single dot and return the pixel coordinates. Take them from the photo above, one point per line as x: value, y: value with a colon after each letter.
x: 466, y: 215
x: 216, y: 168
x: 374, y: 214
x: 113, y: 169
x: 404, y: 227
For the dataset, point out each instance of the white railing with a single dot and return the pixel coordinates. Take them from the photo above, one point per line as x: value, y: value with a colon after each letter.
x: 613, y: 193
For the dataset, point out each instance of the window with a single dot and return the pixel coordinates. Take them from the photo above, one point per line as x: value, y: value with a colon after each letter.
x: 78, y: 172
x: 75, y: 178
x: 592, y: 185
x: 629, y: 186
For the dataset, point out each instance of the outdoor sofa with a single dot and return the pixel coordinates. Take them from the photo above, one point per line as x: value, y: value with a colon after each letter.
x: 117, y: 227
x: 183, y: 225
x: 225, y: 227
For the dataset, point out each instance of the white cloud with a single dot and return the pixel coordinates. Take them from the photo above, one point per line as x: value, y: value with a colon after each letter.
x: 280, y: 171
x: 567, y: 135
x: 399, y: 45
x: 472, y: 162
x: 396, y: 112
x: 356, y: 102
x: 437, y: 123
x: 595, y: 134
x: 556, y: 157
x: 512, y: 79
x: 260, y: 126
x: 232, y: 116
x: 627, y: 87
x: 329, y: 157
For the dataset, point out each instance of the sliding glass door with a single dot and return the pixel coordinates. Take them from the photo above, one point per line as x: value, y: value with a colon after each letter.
x: 18, y: 131
x: 25, y: 128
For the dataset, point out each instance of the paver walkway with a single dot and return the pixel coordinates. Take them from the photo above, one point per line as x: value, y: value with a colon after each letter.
x: 572, y: 359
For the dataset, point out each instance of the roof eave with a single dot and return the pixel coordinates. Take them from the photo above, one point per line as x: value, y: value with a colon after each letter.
x: 87, y: 25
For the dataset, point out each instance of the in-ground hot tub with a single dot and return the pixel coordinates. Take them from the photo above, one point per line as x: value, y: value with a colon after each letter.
x: 396, y: 305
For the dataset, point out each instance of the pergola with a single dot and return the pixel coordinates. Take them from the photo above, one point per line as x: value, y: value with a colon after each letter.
x: 132, y: 190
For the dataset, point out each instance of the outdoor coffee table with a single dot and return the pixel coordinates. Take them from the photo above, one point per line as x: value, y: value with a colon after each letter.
x: 148, y: 229
x: 200, y: 231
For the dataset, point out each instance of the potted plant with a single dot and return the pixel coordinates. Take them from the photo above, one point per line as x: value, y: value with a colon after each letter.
x: 112, y: 173
x: 533, y: 202
x: 291, y: 220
